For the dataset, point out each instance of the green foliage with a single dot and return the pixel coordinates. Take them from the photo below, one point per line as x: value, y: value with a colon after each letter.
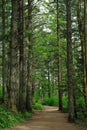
x: 81, y: 122
x: 0, y: 91
x: 8, y: 118
x: 65, y: 103
x: 37, y: 95
x: 38, y: 106
x: 52, y: 101
x: 80, y: 102
x: 80, y: 106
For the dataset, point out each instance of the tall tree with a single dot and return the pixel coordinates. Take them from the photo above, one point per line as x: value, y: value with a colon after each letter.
x: 59, y: 59
x: 48, y: 76
x: 82, y: 33
x: 70, y: 63
x: 85, y: 42
x: 21, y: 55
x: 3, y: 49
x: 29, y: 60
x: 14, y: 57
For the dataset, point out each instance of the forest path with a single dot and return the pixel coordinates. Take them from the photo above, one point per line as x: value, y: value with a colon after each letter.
x: 48, y: 119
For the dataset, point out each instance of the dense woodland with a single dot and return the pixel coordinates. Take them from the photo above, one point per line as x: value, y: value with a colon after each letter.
x: 43, y: 55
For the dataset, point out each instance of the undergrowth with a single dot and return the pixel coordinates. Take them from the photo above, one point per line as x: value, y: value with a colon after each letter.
x: 8, y: 118
x: 38, y: 106
x: 52, y: 101
x: 81, y: 122
x: 65, y: 103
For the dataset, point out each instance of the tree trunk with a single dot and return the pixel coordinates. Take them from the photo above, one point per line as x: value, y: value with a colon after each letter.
x: 70, y: 63
x: 21, y: 56
x: 82, y: 34
x: 3, y: 51
x: 59, y: 61
x: 14, y: 57
x: 29, y: 60
x: 85, y: 41
x: 53, y: 84
x: 49, y: 86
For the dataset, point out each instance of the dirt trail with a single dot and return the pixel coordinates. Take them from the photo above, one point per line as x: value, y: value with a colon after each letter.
x: 48, y: 119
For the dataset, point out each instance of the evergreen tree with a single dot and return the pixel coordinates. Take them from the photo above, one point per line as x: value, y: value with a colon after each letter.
x: 70, y: 79
x: 14, y: 57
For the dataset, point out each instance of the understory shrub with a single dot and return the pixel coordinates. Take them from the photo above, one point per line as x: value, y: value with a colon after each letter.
x: 0, y: 91
x: 8, y: 118
x: 52, y: 101
x: 38, y: 106
x: 65, y: 103
x: 81, y: 122
x: 80, y: 107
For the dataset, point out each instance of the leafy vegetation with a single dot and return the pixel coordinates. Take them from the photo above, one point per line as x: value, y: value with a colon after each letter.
x: 81, y: 122
x: 0, y: 92
x: 9, y: 118
x: 65, y: 103
x: 52, y: 101
x: 38, y: 106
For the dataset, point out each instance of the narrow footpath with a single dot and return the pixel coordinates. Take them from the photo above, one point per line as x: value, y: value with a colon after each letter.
x: 48, y: 119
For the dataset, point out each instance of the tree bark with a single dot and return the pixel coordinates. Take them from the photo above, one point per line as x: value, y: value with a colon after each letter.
x: 85, y: 42
x: 82, y: 33
x: 3, y: 51
x: 49, y: 86
x: 29, y: 60
x: 70, y: 64
x: 14, y: 57
x: 59, y: 61
x: 21, y: 56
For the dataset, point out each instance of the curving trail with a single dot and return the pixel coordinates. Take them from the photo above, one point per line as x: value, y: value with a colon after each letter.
x: 48, y: 119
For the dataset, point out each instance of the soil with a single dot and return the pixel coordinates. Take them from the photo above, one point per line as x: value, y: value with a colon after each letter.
x: 48, y: 119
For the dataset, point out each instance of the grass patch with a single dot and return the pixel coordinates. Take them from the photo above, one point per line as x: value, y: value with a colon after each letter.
x: 8, y: 118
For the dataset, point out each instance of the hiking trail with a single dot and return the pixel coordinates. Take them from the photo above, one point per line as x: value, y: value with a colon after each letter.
x: 47, y: 119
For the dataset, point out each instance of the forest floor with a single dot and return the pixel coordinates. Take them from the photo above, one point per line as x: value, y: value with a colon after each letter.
x: 48, y: 119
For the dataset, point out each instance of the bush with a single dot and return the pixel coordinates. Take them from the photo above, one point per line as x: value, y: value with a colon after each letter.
x: 0, y: 91
x: 8, y: 118
x: 38, y: 106
x: 80, y: 106
x: 52, y: 101
x: 81, y: 122
x: 65, y: 103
